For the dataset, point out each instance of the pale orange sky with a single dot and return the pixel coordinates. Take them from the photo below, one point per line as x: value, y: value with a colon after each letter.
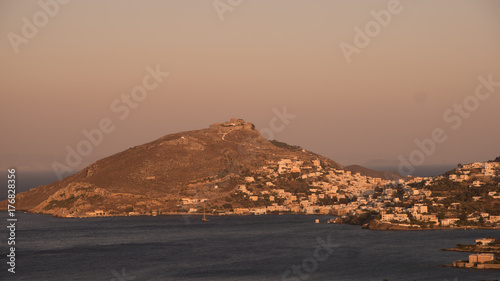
x: 265, y: 54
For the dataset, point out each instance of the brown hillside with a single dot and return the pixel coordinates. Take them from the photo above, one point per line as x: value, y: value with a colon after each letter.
x: 159, y: 173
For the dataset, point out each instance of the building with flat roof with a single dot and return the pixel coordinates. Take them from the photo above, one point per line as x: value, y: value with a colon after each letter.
x: 481, y: 258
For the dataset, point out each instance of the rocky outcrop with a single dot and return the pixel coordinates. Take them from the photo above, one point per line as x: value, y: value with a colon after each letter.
x: 74, y: 198
x: 378, y: 225
x: 232, y: 124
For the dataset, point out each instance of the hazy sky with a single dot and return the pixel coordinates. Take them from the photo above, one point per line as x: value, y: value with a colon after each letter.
x: 247, y: 62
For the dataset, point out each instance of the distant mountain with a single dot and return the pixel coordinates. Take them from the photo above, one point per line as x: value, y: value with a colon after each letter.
x: 496, y: 160
x: 374, y: 174
x: 207, y: 163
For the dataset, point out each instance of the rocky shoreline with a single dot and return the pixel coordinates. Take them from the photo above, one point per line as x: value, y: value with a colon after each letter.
x: 390, y: 226
x: 493, y: 251
x: 375, y: 224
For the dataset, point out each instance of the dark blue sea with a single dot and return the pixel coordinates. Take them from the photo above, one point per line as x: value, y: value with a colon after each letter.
x: 273, y: 247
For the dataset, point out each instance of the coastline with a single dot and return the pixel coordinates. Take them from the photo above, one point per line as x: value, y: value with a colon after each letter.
x: 493, y: 251
x: 371, y: 225
x: 379, y: 225
x: 462, y: 264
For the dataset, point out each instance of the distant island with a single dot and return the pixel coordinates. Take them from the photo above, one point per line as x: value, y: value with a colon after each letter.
x: 230, y: 169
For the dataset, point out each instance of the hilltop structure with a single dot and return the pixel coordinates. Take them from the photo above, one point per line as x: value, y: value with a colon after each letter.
x: 233, y: 124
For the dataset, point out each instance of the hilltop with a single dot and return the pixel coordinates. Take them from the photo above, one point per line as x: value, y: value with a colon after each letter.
x: 207, y: 163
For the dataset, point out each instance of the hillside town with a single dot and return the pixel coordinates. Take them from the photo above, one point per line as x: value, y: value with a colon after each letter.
x: 465, y: 197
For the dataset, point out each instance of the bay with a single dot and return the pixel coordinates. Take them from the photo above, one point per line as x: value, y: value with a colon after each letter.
x: 272, y: 247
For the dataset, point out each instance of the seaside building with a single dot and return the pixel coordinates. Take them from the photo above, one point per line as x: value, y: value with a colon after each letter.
x: 96, y: 213
x: 480, y: 258
x: 485, y: 241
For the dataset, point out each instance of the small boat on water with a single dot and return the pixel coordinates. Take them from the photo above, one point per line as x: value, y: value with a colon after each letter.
x: 204, y: 215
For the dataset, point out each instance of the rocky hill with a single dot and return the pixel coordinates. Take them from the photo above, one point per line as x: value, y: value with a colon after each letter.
x: 207, y: 163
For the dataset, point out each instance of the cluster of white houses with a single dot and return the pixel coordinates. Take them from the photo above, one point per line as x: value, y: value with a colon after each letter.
x: 340, y: 192
x: 329, y: 183
x: 481, y: 170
